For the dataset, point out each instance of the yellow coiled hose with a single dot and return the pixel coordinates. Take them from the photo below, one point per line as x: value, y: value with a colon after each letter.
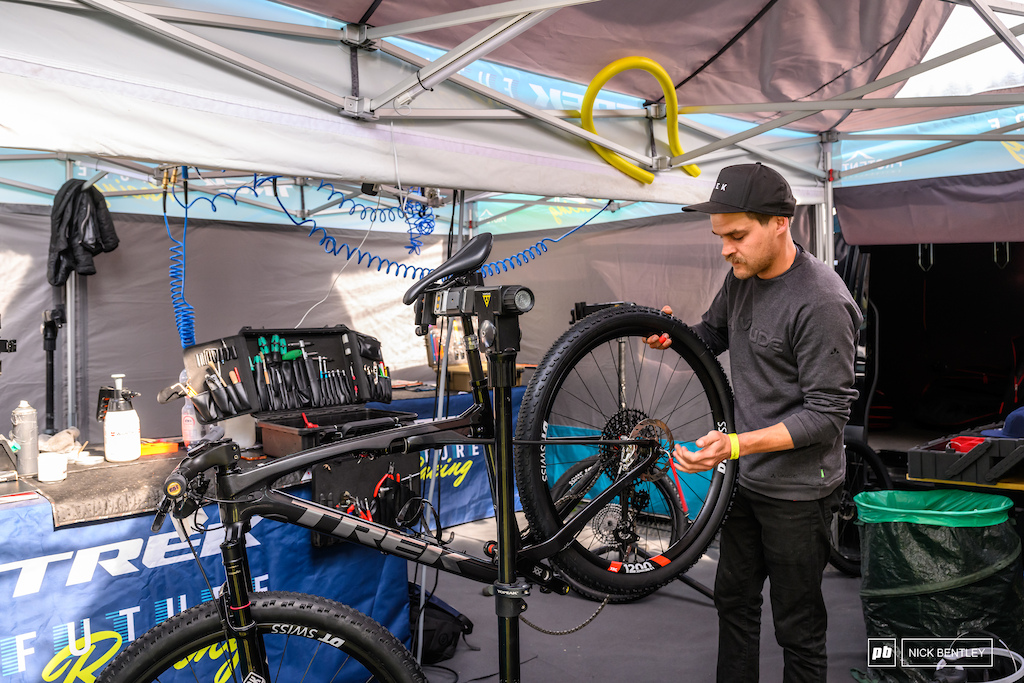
x: 671, y: 107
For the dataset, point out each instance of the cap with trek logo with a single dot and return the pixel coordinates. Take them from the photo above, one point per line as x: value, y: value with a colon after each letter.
x: 749, y: 187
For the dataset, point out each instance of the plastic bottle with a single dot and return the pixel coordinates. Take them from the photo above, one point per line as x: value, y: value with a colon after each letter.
x: 121, y: 435
x: 191, y: 430
x: 25, y: 430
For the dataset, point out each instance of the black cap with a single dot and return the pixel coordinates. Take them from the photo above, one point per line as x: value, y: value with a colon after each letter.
x: 749, y: 187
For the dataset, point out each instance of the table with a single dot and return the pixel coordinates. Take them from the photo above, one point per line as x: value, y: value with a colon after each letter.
x: 81, y: 574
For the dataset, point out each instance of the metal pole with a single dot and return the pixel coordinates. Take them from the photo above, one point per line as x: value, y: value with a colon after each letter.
x: 507, y: 608
x: 435, y: 456
x: 827, y: 249
x: 71, y: 297
x: 71, y: 333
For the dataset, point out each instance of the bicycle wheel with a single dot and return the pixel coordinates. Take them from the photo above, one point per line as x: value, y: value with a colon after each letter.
x: 865, y: 471
x: 659, y: 530
x: 306, y: 638
x: 600, y: 380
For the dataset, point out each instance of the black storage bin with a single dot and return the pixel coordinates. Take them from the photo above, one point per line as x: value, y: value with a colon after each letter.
x: 938, y: 564
x: 290, y: 432
x: 986, y: 462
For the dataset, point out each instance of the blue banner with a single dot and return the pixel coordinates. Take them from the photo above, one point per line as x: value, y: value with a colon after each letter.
x: 74, y: 597
x: 962, y: 159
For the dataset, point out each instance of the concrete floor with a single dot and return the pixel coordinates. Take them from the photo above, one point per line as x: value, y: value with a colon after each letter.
x: 670, y: 635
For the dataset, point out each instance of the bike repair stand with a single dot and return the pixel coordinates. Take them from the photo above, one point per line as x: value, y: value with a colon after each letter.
x: 499, y: 336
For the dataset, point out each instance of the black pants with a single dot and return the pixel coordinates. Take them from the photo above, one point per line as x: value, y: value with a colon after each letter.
x: 787, y: 542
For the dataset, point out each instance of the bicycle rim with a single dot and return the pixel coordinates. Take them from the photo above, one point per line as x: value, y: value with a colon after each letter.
x: 599, y: 381
x: 307, y: 638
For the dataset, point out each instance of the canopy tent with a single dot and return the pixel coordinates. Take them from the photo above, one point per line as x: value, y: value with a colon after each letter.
x: 258, y: 87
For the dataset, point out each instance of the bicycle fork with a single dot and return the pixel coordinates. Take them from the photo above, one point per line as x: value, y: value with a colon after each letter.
x: 234, y: 605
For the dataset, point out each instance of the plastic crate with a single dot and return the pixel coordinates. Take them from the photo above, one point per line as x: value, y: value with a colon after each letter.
x: 986, y: 463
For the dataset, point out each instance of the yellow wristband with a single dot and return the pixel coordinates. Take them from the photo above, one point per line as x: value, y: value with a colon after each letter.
x: 734, y: 441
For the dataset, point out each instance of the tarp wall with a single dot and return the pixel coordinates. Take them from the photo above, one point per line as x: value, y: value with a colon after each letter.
x: 983, y: 207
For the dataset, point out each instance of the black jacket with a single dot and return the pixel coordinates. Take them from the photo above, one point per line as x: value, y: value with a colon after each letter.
x: 80, y: 226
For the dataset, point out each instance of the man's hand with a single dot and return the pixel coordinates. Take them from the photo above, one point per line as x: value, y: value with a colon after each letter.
x: 660, y: 341
x: 714, y: 448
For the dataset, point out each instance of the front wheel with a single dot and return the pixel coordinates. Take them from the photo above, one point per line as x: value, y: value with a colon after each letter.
x: 601, y: 381
x: 305, y: 637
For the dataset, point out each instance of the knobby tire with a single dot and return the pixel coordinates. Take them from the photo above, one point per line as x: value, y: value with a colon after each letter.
x: 600, y: 380
x: 307, y: 638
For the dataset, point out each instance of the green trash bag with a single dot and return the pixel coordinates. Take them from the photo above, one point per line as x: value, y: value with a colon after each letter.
x: 939, y: 564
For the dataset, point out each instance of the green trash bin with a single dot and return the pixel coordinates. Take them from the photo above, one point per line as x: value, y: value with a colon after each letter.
x: 937, y: 564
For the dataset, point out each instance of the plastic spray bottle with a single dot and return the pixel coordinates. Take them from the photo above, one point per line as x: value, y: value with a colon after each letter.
x: 121, y: 434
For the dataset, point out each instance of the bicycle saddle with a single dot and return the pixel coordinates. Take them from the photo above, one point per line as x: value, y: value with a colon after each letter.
x: 467, y: 259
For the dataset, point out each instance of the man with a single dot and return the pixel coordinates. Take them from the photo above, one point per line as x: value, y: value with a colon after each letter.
x: 789, y: 324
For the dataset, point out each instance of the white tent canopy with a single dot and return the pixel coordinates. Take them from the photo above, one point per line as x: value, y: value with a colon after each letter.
x: 261, y: 87
x: 174, y: 86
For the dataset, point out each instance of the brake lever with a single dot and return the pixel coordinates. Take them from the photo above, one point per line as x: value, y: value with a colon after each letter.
x: 161, y: 513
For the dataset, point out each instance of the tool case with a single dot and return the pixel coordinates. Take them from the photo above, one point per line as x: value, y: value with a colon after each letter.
x: 305, y: 387
x: 967, y: 457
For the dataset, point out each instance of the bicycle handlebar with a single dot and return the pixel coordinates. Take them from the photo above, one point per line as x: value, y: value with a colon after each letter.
x: 204, y: 454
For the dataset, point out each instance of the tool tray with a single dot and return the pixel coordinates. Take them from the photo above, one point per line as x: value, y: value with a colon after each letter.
x: 264, y: 372
x: 967, y: 457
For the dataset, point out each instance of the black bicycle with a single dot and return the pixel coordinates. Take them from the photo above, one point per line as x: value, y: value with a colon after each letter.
x: 590, y: 456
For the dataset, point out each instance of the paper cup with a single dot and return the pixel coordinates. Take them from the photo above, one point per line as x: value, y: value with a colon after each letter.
x: 52, y: 466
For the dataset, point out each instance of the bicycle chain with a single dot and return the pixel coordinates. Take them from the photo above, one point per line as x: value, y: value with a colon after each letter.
x: 567, y: 631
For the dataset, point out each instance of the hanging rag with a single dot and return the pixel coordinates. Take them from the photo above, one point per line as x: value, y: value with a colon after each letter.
x: 80, y: 227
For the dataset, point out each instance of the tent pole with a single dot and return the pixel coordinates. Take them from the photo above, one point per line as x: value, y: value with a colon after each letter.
x: 826, y: 247
x: 753, y: 149
x: 998, y: 27
x: 491, y: 38
x: 71, y: 329
x: 467, y: 16
x: 216, y: 51
x: 512, y: 103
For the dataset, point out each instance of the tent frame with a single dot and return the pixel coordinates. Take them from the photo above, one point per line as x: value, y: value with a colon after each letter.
x: 511, y: 18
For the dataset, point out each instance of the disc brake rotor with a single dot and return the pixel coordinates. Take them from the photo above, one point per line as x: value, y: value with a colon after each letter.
x: 649, y: 430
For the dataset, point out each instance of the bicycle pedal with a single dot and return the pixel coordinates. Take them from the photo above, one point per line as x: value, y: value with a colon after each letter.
x: 491, y: 549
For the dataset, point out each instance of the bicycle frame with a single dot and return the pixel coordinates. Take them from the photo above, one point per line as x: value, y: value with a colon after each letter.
x: 244, y: 494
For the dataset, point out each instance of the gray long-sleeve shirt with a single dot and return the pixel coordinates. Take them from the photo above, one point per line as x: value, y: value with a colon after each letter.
x: 791, y: 342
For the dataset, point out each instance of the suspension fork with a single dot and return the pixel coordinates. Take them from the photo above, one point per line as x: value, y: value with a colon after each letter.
x: 235, y: 603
